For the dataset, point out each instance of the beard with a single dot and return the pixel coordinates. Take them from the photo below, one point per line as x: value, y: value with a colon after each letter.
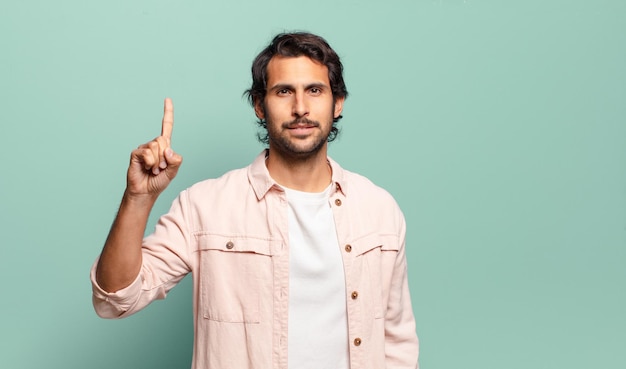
x: 298, y: 147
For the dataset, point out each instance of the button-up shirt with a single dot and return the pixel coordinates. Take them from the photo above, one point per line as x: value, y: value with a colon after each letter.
x: 232, y: 234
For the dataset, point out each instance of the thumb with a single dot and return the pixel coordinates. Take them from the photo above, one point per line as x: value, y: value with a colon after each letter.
x: 173, y: 161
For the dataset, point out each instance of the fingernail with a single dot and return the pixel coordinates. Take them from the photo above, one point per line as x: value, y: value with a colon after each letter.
x: 163, y: 164
x: 168, y: 153
x: 156, y: 171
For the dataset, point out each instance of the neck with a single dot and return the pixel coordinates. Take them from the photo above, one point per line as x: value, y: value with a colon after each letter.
x: 308, y: 174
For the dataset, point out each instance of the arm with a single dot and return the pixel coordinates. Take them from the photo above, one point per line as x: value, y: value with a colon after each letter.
x: 401, y: 343
x: 152, y: 167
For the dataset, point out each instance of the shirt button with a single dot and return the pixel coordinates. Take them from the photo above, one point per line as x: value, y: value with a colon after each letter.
x: 354, y: 295
x: 230, y: 245
x: 357, y: 342
x: 348, y: 248
x: 338, y: 202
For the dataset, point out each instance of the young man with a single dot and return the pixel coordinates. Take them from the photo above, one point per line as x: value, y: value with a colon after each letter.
x: 296, y: 262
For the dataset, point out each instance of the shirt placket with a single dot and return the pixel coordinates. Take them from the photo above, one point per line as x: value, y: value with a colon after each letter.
x: 338, y: 203
x: 279, y: 229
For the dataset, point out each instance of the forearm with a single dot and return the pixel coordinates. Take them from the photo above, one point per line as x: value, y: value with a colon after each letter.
x: 120, y: 260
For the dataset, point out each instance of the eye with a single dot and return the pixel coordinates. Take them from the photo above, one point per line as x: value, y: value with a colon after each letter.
x: 283, y: 92
x: 315, y: 90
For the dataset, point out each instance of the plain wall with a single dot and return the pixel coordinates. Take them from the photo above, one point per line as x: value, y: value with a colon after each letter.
x: 499, y: 126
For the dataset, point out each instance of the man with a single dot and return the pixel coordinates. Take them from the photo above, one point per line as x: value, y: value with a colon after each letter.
x: 296, y: 262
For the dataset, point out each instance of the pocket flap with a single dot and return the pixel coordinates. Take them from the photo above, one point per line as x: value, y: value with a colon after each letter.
x: 261, y: 246
x: 372, y: 241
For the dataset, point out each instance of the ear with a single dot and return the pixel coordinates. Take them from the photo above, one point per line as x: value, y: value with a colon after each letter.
x: 259, y: 110
x: 339, y: 106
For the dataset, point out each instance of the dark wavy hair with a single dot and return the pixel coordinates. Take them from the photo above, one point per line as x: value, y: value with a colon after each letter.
x: 293, y: 45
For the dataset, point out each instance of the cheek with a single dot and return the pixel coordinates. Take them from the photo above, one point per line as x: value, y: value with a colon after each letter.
x: 278, y: 109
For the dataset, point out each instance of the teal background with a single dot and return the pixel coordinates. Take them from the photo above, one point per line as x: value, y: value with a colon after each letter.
x: 499, y: 126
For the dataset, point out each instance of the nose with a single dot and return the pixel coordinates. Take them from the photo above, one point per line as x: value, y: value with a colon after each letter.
x: 300, y: 105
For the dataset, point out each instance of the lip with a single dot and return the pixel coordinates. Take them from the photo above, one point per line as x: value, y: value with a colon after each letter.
x: 301, y: 129
x: 301, y: 126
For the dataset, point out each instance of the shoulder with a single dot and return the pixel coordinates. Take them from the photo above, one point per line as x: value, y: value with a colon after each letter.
x: 361, y: 184
x: 232, y: 181
x: 368, y: 194
x: 372, y: 207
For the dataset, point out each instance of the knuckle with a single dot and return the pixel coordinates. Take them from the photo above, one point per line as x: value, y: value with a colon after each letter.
x: 146, y: 155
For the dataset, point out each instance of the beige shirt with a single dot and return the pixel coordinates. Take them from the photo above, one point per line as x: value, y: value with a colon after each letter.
x: 232, y: 234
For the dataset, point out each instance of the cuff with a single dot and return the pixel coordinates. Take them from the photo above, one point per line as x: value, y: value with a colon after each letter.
x: 114, y: 304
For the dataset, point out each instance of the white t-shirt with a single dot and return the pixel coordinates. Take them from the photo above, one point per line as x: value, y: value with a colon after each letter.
x: 318, y: 326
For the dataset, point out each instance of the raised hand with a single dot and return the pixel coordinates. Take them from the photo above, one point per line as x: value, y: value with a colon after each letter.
x: 153, y: 165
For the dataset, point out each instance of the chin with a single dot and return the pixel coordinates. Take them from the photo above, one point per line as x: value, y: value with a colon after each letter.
x: 298, y: 150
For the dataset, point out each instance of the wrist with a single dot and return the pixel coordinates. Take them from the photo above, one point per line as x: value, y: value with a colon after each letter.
x: 139, y: 200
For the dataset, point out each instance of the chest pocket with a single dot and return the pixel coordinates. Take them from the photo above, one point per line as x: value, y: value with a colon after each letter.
x: 234, y: 274
x: 375, y: 257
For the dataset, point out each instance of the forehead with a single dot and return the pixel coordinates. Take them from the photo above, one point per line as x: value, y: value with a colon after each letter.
x: 295, y: 70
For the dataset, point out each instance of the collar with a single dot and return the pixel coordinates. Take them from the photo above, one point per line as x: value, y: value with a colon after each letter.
x: 262, y: 182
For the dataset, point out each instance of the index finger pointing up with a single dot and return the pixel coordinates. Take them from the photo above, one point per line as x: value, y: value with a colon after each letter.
x: 168, y: 119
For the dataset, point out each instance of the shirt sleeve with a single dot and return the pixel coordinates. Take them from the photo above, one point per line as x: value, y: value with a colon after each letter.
x: 165, y: 262
x: 401, y: 342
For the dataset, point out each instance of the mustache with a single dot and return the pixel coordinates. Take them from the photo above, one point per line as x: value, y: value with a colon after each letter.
x: 301, y: 121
